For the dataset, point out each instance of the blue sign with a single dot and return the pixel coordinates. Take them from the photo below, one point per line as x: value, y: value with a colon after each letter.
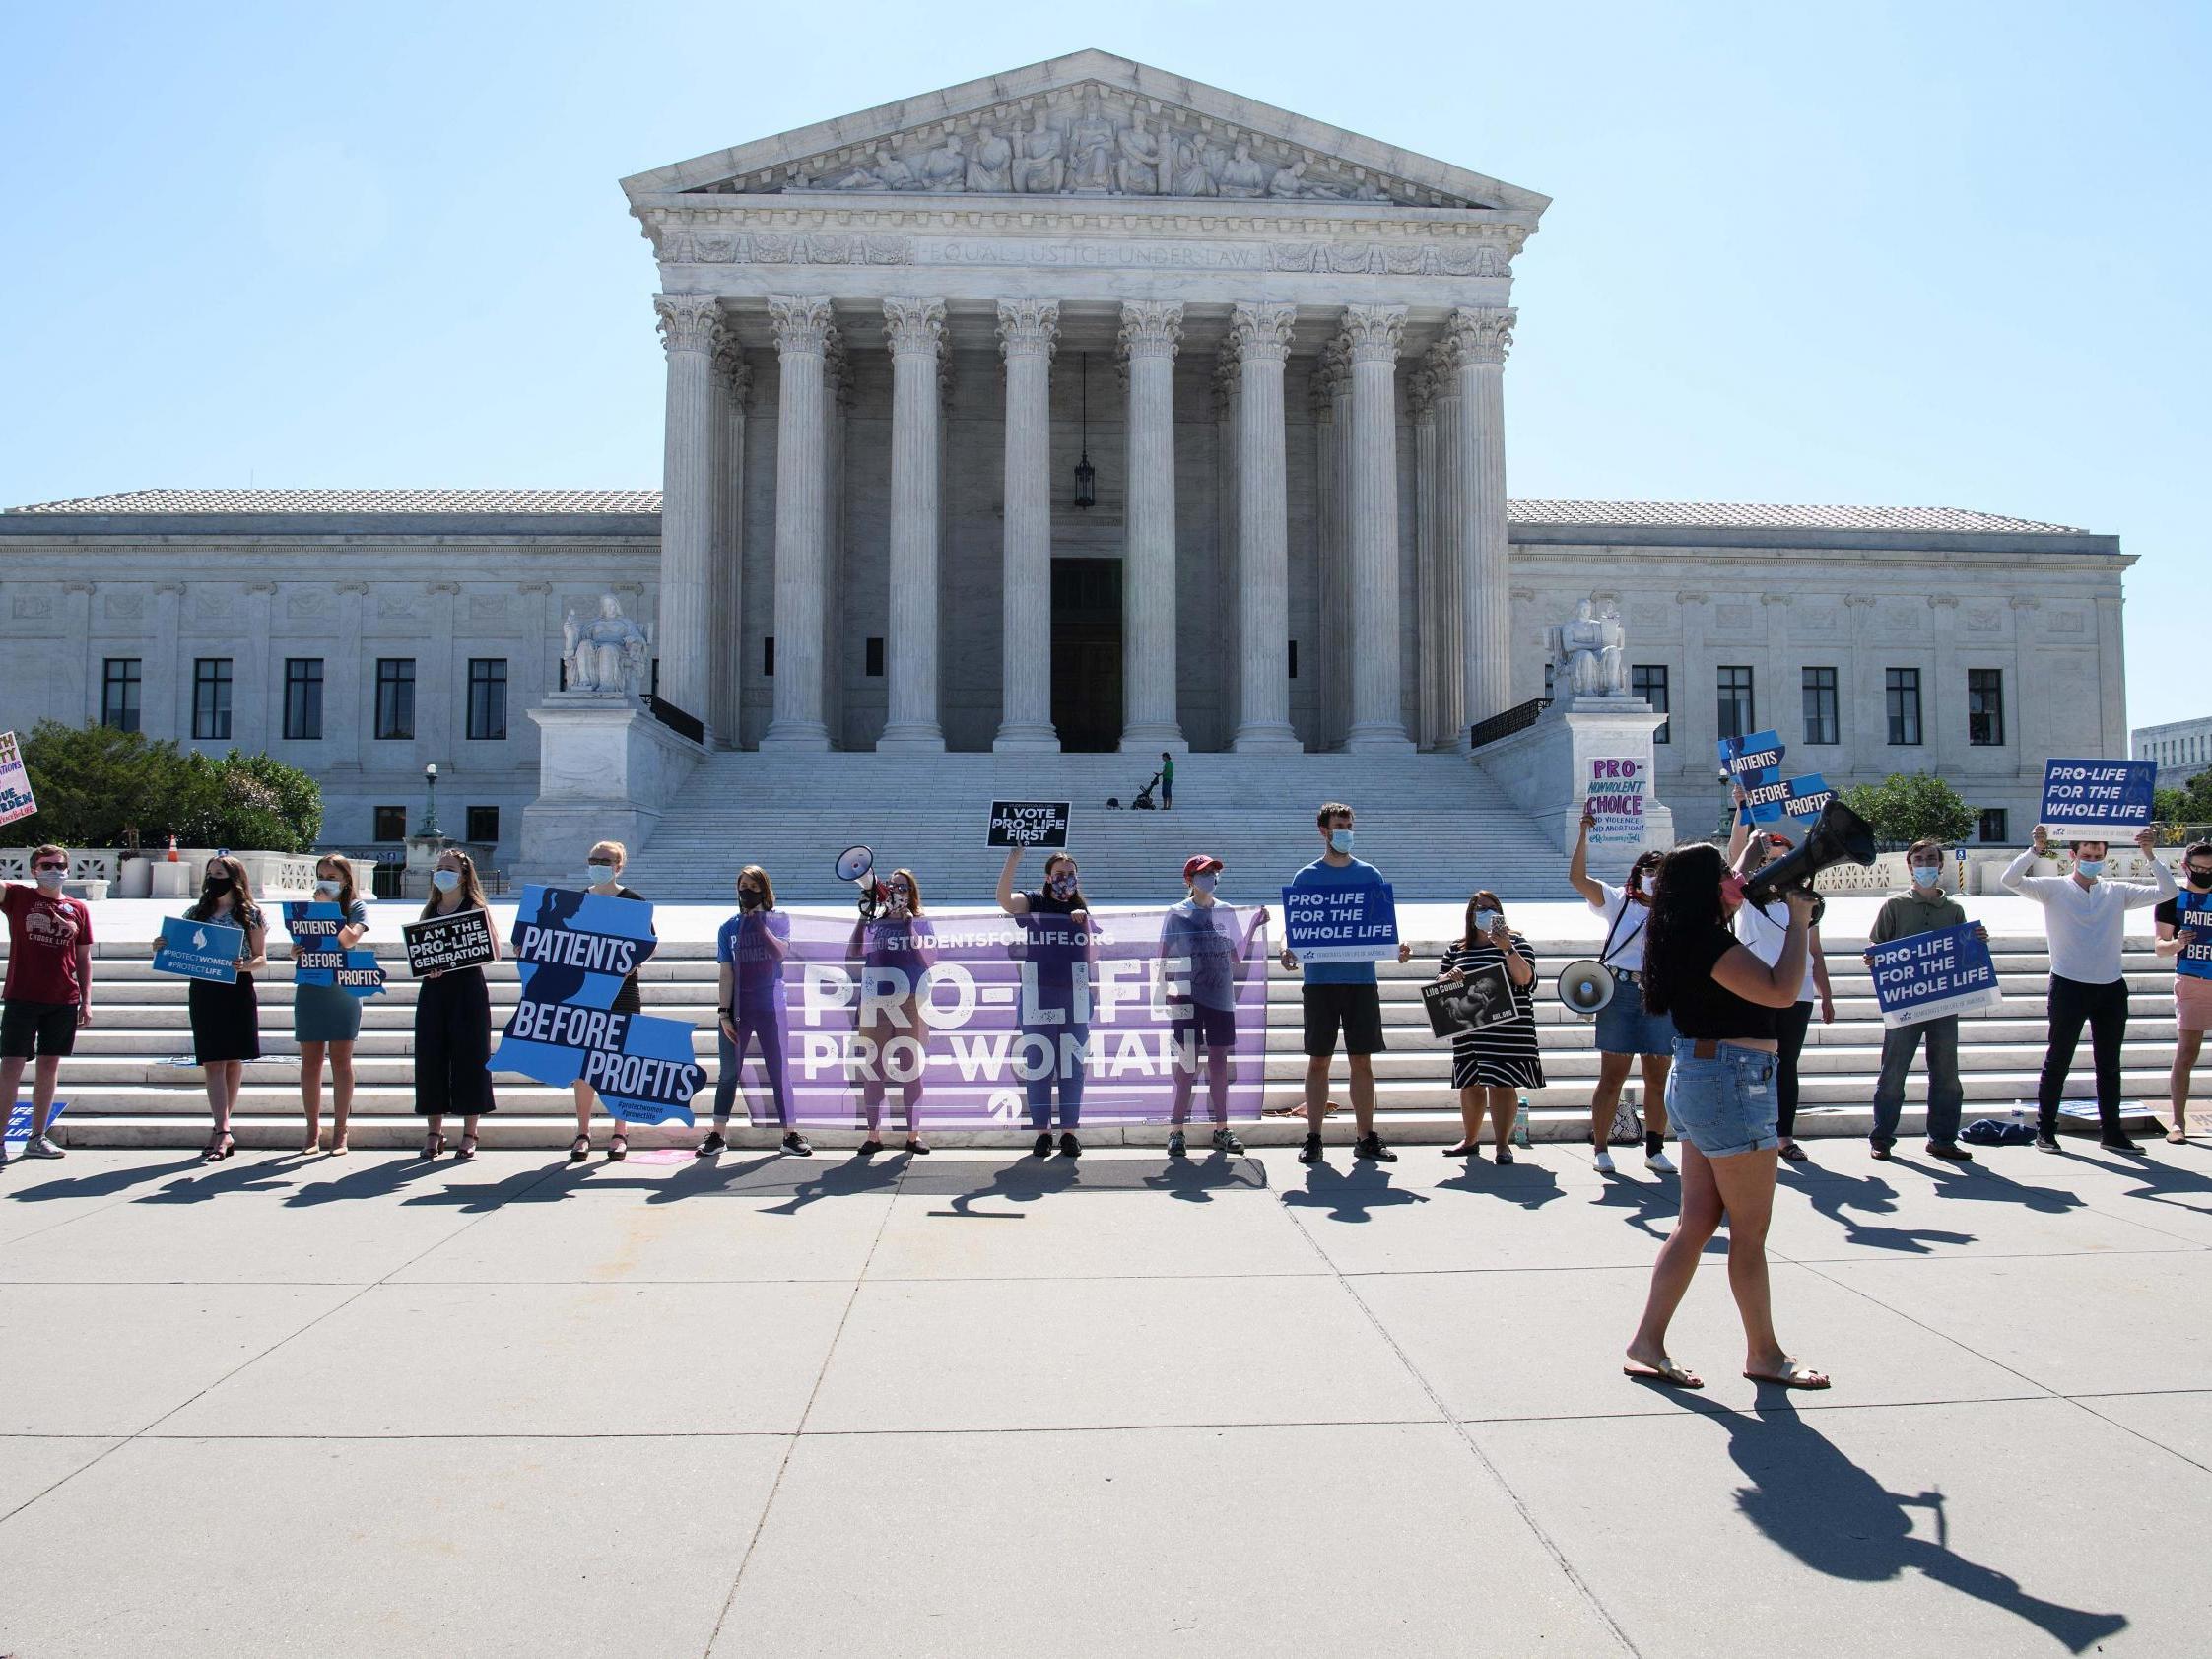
x: 317, y: 958
x: 1755, y: 761
x: 2094, y: 798
x: 1354, y: 919
x: 200, y: 949
x: 1930, y: 974
x: 1808, y: 796
x: 572, y: 950
x: 19, y: 1120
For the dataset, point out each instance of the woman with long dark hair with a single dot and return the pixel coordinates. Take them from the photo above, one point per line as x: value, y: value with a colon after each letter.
x: 1627, y: 1034
x: 894, y: 1029
x: 753, y: 1009
x: 1763, y: 927
x: 1490, y: 1067
x: 227, y: 1019
x: 1052, y: 919
x: 1720, y: 1099
x: 454, y: 1020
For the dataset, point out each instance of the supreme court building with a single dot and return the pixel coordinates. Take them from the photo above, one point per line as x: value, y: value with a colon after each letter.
x: 1084, y: 407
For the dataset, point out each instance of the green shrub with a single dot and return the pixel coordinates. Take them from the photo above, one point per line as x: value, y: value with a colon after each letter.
x: 98, y: 787
x: 1907, y: 807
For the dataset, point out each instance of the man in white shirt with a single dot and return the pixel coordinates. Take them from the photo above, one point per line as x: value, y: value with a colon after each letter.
x: 2085, y: 918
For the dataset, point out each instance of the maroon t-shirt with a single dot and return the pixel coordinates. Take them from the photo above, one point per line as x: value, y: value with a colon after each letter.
x: 43, y: 934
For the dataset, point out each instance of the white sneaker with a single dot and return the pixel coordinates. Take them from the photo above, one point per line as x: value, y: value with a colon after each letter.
x: 1659, y: 1163
x: 1602, y: 1162
x: 40, y: 1146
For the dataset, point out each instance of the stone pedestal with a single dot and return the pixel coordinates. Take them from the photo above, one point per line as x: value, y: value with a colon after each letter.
x: 1546, y: 769
x: 606, y: 771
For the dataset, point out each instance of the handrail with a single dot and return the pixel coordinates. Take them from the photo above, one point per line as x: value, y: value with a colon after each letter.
x: 674, y: 718
x: 1515, y: 719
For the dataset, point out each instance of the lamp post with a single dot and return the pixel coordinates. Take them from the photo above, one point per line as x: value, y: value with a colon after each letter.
x: 429, y: 810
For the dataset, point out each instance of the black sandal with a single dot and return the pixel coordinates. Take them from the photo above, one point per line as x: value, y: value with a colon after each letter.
x: 467, y: 1154
x: 433, y: 1145
x: 579, y: 1149
x: 220, y: 1145
x: 618, y: 1149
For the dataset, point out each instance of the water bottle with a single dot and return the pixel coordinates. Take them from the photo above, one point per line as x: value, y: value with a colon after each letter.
x: 1521, y: 1124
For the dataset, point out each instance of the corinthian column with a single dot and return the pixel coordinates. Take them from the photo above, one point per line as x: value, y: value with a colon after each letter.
x: 691, y: 329
x: 1150, y: 330
x: 915, y: 331
x: 802, y: 332
x: 1372, y: 333
x: 1450, y: 730
x: 725, y: 642
x: 1479, y: 337
x: 1027, y: 330
x: 1262, y: 333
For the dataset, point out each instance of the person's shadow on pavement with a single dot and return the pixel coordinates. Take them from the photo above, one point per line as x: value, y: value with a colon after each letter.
x: 1811, y: 1500
x: 1836, y: 1196
x: 1353, y: 1197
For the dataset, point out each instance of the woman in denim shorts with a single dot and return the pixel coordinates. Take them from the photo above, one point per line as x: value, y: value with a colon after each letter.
x: 1720, y: 1099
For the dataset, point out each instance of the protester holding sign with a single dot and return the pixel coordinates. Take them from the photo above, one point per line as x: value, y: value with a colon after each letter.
x: 326, y: 1018
x: 602, y: 872
x: 1924, y: 909
x: 453, y: 1018
x: 1762, y: 928
x: 226, y: 1018
x: 1341, y: 995
x: 1721, y: 1098
x: 2085, y: 918
x: 1055, y: 927
x: 1626, y: 1029
x: 750, y: 950
x: 1493, y: 1064
x: 1201, y: 953
x: 48, y: 992
x: 2184, y: 934
x: 893, y: 952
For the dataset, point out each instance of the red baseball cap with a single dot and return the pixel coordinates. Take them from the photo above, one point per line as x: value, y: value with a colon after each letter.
x: 1192, y: 865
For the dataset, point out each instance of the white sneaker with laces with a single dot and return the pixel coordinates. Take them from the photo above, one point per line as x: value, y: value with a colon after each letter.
x: 1602, y: 1162
x: 1659, y: 1163
x: 40, y: 1146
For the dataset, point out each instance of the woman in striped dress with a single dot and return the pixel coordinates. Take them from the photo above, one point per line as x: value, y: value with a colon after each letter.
x: 1495, y: 1064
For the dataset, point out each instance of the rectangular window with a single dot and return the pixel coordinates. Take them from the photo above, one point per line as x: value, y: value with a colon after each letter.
x: 873, y: 668
x: 211, y: 699
x: 1904, y: 692
x: 395, y: 697
x: 1648, y: 681
x: 391, y: 824
x: 1739, y: 713
x: 767, y: 655
x: 1548, y: 672
x: 1819, y: 705
x: 1985, y: 706
x: 302, y: 699
x: 487, y: 699
x: 1993, y: 827
x: 484, y: 824
x: 118, y: 693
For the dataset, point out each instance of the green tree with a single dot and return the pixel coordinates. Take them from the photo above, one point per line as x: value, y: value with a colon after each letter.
x: 1907, y: 807
x: 98, y: 787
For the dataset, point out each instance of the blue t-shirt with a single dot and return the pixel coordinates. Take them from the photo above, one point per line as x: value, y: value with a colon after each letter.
x: 743, y: 943
x: 1328, y: 878
x: 1206, y: 936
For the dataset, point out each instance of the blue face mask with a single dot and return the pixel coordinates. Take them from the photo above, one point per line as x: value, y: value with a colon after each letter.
x: 2090, y: 867
x: 1340, y: 840
x: 1205, y: 881
x: 594, y: 874
x: 328, y: 887
x: 1927, y: 875
x: 446, y: 881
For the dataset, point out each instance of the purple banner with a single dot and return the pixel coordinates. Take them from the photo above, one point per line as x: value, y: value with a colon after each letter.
x: 984, y: 1021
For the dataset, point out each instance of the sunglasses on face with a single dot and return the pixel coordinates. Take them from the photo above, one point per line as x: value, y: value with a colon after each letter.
x: 49, y: 866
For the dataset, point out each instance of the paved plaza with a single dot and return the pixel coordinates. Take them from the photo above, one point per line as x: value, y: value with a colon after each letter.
x: 977, y: 1404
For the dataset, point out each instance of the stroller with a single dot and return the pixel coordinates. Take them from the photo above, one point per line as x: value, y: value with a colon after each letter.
x: 1144, y: 801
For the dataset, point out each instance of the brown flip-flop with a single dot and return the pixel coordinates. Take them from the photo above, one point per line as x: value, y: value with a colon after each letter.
x: 1667, y: 1376
x: 1796, y: 1377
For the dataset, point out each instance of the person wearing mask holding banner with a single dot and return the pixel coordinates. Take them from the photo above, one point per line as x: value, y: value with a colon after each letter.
x: 326, y: 1018
x: 1720, y: 1097
x: 48, y: 993
x: 227, y: 1019
x: 1926, y: 908
x: 2085, y: 918
x: 602, y: 873
x: 1627, y: 1032
x: 1054, y: 1016
x: 453, y: 1019
x: 1200, y: 954
x: 1341, y: 997
x: 749, y: 950
x: 1493, y: 1065
x: 893, y: 1024
x: 2185, y: 934
x: 1763, y: 927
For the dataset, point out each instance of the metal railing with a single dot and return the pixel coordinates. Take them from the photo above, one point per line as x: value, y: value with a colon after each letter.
x: 1513, y: 720
x: 674, y: 718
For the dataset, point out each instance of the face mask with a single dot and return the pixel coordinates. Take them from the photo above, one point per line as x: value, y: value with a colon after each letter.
x: 747, y: 898
x: 50, y: 878
x: 2090, y: 867
x: 446, y: 881
x: 1340, y: 840
x: 1205, y: 881
x: 1062, y: 884
x: 2197, y: 877
x: 1927, y: 875
x: 594, y: 874
x: 328, y: 887
x: 215, y: 887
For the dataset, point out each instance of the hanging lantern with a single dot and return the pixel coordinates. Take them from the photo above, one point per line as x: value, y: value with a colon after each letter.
x: 1086, y: 475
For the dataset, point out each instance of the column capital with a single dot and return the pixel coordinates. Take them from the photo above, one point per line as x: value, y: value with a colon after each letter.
x: 1228, y: 378
x: 801, y: 323
x: 687, y: 322
x: 1440, y: 361
x: 1028, y: 327
x: 1481, y: 334
x: 1374, y: 333
x: 914, y: 327
x: 1151, y: 328
x: 735, y: 372
x: 1421, y: 394
x: 1261, y: 329
x: 837, y: 371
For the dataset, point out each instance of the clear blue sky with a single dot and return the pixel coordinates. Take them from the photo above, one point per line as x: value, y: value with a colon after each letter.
x: 1909, y: 254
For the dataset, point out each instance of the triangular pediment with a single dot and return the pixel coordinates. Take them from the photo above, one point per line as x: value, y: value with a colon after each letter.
x: 1087, y: 124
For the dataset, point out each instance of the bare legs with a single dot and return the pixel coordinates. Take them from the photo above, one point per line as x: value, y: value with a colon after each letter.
x: 1605, y: 1100
x: 223, y: 1080
x: 1498, y: 1104
x: 47, y: 1068
x: 341, y: 1092
x: 2186, y: 1046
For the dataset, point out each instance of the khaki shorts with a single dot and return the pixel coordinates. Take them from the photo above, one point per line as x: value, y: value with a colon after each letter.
x: 2192, y: 1002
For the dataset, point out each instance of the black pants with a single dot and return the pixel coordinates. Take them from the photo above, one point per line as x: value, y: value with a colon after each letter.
x: 2104, y: 1008
x: 453, y: 1045
x: 1790, y: 1025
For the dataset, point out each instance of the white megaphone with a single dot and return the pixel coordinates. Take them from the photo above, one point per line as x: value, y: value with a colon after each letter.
x: 1586, y: 986
x: 857, y: 864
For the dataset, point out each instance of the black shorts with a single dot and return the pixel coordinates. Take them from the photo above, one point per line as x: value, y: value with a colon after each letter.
x: 1206, y: 1027
x: 1356, y: 1009
x: 29, y: 1028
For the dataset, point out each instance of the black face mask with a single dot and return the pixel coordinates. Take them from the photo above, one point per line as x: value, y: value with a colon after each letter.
x: 748, y: 899
x: 215, y: 887
x: 2201, y: 878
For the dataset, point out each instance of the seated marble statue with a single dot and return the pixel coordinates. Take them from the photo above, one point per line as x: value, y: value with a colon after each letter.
x: 1195, y: 166
x: 1589, y: 654
x: 889, y: 174
x: 1137, y: 172
x: 945, y: 168
x: 990, y: 165
x: 1240, y: 175
x: 1292, y: 183
x: 1038, y: 170
x: 609, y: 653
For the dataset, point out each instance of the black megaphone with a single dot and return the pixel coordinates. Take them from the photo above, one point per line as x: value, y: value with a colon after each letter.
x: 1839, y: 835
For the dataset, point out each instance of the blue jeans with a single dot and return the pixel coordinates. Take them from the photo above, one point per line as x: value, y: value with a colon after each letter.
x: 1726, y: 1104
x: 767, y: 1030
x: 1065, y: 1069
x: 1945, y: 1093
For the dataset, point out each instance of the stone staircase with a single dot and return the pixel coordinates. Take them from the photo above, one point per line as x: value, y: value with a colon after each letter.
x: 1435, y: 825
x: 125, y: 1084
